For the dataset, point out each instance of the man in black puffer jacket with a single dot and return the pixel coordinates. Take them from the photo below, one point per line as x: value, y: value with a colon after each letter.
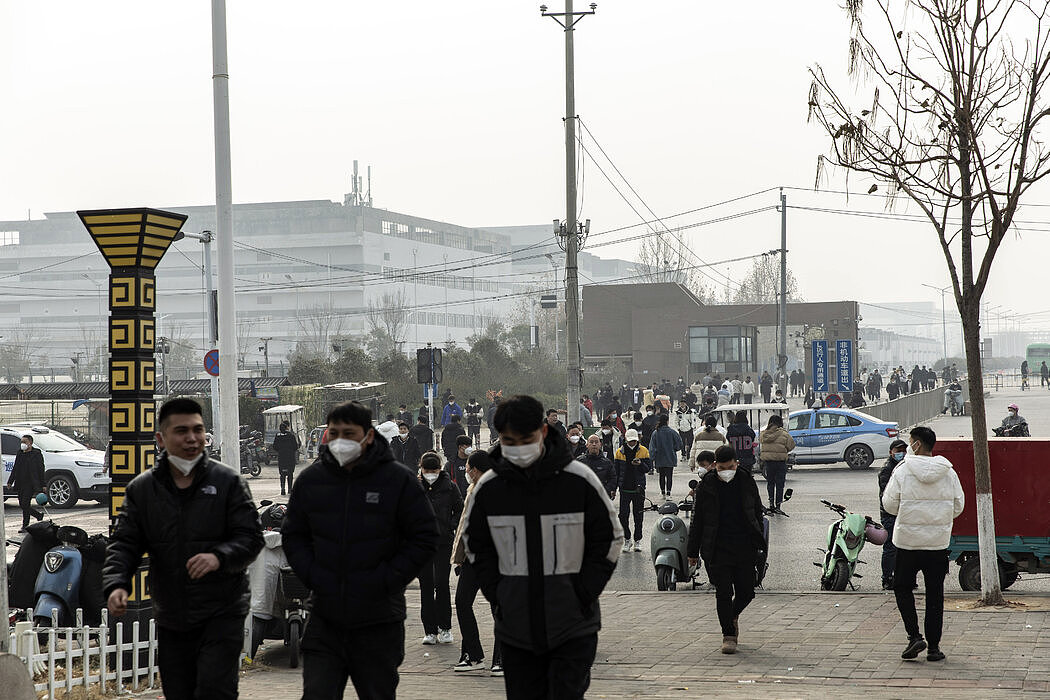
x: 358, y: 529
x: 543, y: 537
x: 435, y: 604
x: 727, y: 530
x: 196, y: 520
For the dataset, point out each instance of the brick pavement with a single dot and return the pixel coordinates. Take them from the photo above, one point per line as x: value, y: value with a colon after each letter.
x: 666, y: 645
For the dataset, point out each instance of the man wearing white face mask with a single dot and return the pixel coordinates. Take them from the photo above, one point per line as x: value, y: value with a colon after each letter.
x: 196, y: 520
x: 436, y: 600
x: 27, y: 477
x: 543, y: 538
x: 727, y: 531
x: 358, y: 529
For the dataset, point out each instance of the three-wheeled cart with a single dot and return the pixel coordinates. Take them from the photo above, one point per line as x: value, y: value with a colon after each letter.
x: 1020, y: 500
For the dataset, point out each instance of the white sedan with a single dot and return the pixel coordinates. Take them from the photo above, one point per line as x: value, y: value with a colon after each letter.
x: 829, y: 435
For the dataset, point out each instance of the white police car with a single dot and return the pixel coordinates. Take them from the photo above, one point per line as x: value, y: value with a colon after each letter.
x: 829, y: 435
x: 71, y: 470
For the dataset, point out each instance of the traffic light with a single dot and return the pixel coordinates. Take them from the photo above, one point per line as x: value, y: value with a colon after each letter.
x: 437, y: 365
x: 423, y: 366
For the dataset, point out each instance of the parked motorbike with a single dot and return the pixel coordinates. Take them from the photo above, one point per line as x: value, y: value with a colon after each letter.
x: 670, y: 538
x: 668, y: 542
x: 57, y: 585
x: 1018, y: 430
x: 278, y: 604
x: 845, y: 540
x: 258, y: 446
x: 249, y: 464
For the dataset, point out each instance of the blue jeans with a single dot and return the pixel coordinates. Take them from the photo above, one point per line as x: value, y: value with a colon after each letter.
x: 889, y: 552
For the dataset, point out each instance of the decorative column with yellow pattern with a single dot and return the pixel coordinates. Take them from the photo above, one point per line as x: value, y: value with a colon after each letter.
x: 132, y: 241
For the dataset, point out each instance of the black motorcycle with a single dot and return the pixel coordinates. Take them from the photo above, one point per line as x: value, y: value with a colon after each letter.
x: 1017, y: 430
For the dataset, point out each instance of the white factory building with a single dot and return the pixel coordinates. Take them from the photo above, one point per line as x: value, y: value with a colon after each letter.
x: 305, y: 272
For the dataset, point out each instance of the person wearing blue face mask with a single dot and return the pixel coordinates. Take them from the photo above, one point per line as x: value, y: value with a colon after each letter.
x: 898, y: 449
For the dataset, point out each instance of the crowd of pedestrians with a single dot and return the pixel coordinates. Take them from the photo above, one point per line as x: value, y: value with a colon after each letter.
x: 535, y: 521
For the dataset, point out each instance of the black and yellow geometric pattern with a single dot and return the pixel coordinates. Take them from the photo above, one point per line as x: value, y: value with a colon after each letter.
x: 133, y: 241
x: 132, y: 237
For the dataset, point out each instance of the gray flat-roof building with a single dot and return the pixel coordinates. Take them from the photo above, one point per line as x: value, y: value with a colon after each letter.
x: 663, y: 331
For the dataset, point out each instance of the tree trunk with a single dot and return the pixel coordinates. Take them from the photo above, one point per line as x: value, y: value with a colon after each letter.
x: 991, y: 593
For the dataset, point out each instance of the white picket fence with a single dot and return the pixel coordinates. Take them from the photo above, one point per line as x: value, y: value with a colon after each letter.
x: 88, y: 657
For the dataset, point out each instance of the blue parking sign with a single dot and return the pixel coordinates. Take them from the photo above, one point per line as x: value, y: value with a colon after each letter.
x: 820, y: 366
x: 844, y: 351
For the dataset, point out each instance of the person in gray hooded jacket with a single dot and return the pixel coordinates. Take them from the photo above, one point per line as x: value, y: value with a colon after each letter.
x: 541, y: 533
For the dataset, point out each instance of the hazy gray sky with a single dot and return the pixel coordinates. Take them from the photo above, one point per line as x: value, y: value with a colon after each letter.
x: 458, y: 107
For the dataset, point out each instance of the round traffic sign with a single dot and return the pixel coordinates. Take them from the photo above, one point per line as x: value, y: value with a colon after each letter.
x: 833, y: 401
x: 211, y: 362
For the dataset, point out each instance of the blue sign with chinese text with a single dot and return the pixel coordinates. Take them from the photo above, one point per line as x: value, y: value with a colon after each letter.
x: 820, y: 366
x: 844, y: 351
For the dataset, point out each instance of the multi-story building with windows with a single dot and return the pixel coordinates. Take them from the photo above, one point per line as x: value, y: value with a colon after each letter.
x: 306, y: 273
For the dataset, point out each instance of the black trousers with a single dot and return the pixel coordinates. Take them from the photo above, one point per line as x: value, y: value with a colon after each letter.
x: 889, y: 552
x: 687, y: 442
x: 632, y: 502
x: 562, y: 673
x: 474, y: 433
x: 201, y: 663
x: 776, y: 476
x: 933, y: 563
x: 435, y: 596
x: 466, y: 593
x: 734, y: 589
x: 286, y: 474
x: 368, y: 656
x: 666, y: 474
x: 27, y: 502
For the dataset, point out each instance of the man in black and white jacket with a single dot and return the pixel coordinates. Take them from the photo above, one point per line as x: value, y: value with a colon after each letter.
x: 543, y: 538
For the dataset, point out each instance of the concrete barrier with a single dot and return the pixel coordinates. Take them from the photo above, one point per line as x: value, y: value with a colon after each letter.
x: 914, y: 408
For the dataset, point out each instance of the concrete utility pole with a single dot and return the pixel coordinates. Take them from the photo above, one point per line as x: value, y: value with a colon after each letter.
x: 568, y: 20
x: 944, y: 322
x: 230, y: 418
x: 266, y: 354
x: 782, y: 355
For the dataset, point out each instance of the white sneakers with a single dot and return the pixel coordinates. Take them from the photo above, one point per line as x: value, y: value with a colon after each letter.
x: 626, y: 545
x: 442, y: 637
x: 628, y: 548
x: 637, y: 545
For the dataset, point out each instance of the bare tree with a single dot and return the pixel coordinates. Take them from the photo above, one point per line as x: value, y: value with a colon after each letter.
x: 318, y: 326
x: 389, y: 317
x: 954, y: 123
x: 761, y: 283
x: 17, y: 350
x: 660, y: 260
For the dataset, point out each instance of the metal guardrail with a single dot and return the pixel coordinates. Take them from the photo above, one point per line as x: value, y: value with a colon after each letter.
x: 913, y: 409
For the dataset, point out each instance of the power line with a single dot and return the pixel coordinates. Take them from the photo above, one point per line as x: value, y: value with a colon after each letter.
x: 644, y: 204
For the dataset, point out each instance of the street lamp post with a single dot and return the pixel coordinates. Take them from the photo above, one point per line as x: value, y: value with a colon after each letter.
x: 944, y: 323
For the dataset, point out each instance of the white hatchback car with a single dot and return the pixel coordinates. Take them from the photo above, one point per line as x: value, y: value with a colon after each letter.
x: 71, y: 470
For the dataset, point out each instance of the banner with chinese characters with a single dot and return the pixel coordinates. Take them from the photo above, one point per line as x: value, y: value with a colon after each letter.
x: 844, y: 353
x: 820, y: 366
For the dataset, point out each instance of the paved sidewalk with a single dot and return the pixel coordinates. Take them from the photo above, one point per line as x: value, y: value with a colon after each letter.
x: 666, y: 645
